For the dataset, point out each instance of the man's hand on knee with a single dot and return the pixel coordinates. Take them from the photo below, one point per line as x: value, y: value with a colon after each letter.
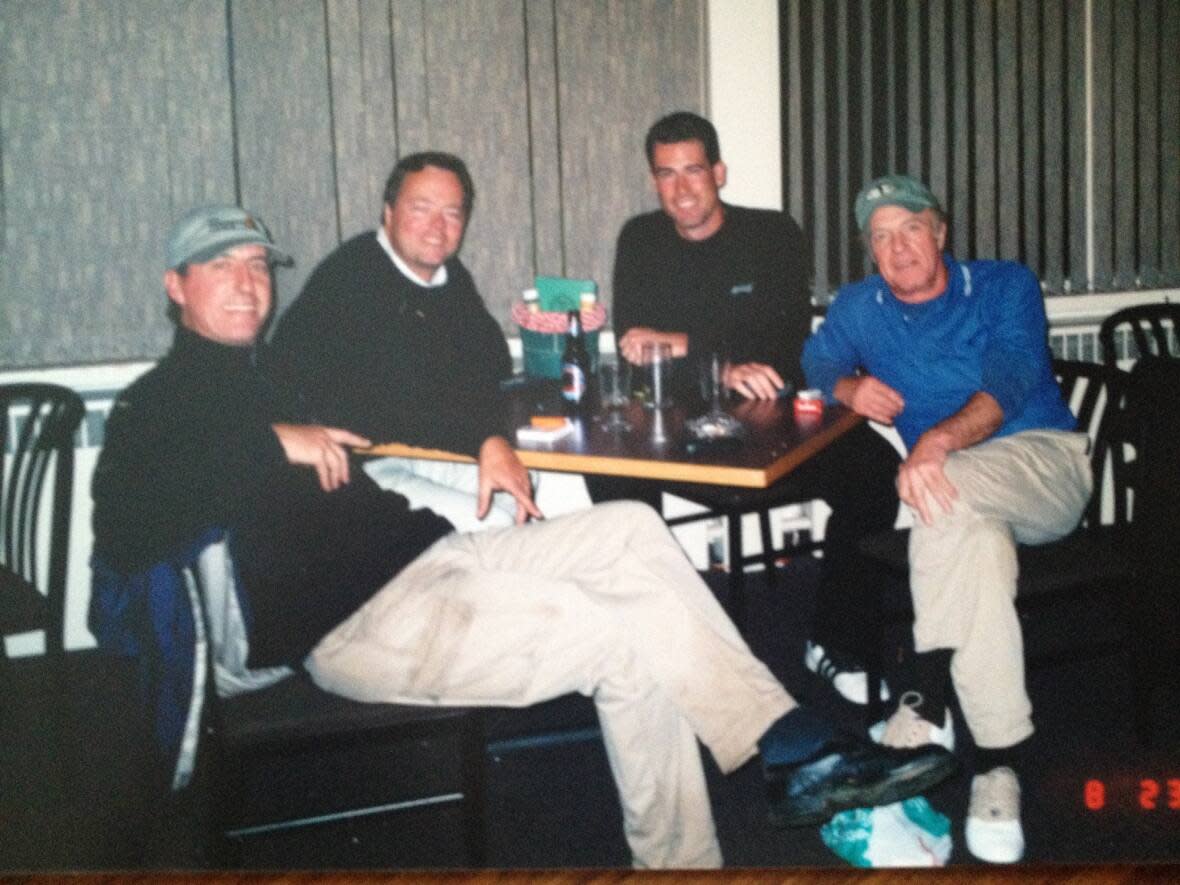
x: 922, y: 478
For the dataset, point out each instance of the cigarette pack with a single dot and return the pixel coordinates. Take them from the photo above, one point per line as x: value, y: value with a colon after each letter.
x: 544, y: 429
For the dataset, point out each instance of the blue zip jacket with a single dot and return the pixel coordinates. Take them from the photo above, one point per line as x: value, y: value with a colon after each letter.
x: 149, y: 616
x: 986, y: 332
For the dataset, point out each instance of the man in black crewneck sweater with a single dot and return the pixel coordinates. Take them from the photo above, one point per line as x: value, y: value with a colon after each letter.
x: 391, y: 337
x: 702, y: 275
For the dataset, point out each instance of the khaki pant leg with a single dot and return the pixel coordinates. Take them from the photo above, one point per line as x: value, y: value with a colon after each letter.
x: 1029, y: 487
x: 595, y: 602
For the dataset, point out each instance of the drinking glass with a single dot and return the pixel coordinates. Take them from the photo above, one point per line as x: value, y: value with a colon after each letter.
x: 656, y: 358
x: 712, y: 370
x: 716, y: 422
x: 614, y: 386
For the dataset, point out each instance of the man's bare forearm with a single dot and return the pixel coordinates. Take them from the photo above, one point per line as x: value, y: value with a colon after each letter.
x: 979, y: 418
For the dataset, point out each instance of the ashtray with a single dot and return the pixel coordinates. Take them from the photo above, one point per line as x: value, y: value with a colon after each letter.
x: 715, y: 426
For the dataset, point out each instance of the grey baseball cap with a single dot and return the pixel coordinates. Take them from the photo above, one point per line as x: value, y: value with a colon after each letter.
x: 210, y: 230
x: 892, y: 190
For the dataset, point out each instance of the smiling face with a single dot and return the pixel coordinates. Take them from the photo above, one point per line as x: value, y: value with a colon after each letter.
x: 425, y: 223
x: 688, y: 187
x: 907, y: 247
x: 225, y: 299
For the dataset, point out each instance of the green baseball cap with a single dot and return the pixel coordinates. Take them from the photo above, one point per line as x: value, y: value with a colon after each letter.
x: 208, y: 231
x: 892, y: 190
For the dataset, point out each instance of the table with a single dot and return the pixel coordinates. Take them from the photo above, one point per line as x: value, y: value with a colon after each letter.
x: 775, y: 443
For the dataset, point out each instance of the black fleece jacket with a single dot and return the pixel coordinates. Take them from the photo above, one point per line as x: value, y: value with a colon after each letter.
x: 189, y: 446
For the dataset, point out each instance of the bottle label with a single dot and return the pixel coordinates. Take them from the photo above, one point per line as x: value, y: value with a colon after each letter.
x: 573, y: 382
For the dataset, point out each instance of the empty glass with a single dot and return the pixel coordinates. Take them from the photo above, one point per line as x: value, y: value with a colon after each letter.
x: 657, y: 363
x: 712, y: 371
x: 716, y: 422
x: 614, y: 387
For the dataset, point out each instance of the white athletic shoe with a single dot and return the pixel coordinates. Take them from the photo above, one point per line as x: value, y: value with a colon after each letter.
x: 846, y: 677
x: 994, y: 833
x: 905, y: 728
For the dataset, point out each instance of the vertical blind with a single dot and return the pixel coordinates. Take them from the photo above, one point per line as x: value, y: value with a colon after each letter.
x: 116, y: 116
x: 1050, y: 130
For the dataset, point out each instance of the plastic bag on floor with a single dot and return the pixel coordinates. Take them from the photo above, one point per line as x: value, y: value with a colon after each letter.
x: 904, y: 834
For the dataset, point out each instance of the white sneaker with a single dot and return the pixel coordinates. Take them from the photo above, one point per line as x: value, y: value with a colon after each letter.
x: 905, y: 728
x: 845, y: 676
x: 994, y: 833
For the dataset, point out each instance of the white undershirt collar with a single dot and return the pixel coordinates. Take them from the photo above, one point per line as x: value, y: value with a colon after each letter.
x: 440, y: 275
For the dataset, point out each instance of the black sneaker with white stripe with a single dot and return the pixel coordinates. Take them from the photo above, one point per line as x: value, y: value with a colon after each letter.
x: 847, y: 677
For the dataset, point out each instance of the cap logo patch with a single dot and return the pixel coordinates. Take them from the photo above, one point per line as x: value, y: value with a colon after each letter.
x: 216, y: 225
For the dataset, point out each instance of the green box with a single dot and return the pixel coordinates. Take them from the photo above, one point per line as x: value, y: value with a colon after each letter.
x: 561, y: 294
x: 542, y: 352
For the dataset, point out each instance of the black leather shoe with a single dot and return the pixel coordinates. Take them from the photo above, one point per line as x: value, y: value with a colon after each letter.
x: 851, y: 773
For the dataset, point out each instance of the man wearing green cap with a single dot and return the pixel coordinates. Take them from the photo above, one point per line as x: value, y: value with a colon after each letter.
x: 954, y: 355
x: 382, y: 602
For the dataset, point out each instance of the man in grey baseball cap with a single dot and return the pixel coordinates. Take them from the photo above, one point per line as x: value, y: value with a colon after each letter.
x: 208, y: 231
x: 218, y: 278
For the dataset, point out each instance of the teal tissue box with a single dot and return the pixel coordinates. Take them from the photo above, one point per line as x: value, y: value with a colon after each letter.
x: 561, y: 294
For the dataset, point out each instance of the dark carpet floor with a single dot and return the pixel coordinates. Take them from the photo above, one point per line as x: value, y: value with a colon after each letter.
x: 71, y: 793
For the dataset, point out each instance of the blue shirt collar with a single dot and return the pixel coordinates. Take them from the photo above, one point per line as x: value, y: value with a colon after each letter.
x: 958, y: 286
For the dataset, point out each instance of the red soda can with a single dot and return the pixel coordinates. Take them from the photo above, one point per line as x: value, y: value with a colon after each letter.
x: 809, y: 405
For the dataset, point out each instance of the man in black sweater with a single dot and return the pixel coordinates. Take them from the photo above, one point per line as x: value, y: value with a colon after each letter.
x: 602, y: 601
x: 391, y: 337
x: 704, y: 276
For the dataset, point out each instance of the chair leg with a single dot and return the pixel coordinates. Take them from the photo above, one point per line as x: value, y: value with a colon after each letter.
x: 737, y: 569
x: 768, y: 553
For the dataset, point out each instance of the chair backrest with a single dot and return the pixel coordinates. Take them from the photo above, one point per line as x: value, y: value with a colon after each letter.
x: 37, y: 442
x: 1153, y: 408
x: 1096, y: 394
x: 1149, y: 329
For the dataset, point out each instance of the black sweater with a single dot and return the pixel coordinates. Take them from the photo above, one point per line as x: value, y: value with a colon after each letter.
x: 368, y: 350
x: 743, y: 290
x: 189, y: 446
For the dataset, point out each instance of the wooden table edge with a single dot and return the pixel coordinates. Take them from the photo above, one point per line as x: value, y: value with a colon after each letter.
x: 642, y: 468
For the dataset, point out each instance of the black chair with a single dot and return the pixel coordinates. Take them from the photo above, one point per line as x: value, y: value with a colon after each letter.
x: 37, y: 442
x: 300, y: 777
x: 1095, y: 557
x: 57, y: 704
x: 1154, y: 418
x: 311, y: 779
x: 1143, y: 329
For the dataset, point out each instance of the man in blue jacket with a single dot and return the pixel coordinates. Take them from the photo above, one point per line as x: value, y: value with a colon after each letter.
x: 954, y: 355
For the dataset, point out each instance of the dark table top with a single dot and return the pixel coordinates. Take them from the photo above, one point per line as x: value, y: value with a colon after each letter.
x: 773, y: 445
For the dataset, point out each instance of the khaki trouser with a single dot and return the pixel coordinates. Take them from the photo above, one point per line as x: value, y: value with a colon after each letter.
x: 1028, y: 488
x: 601, y: 602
